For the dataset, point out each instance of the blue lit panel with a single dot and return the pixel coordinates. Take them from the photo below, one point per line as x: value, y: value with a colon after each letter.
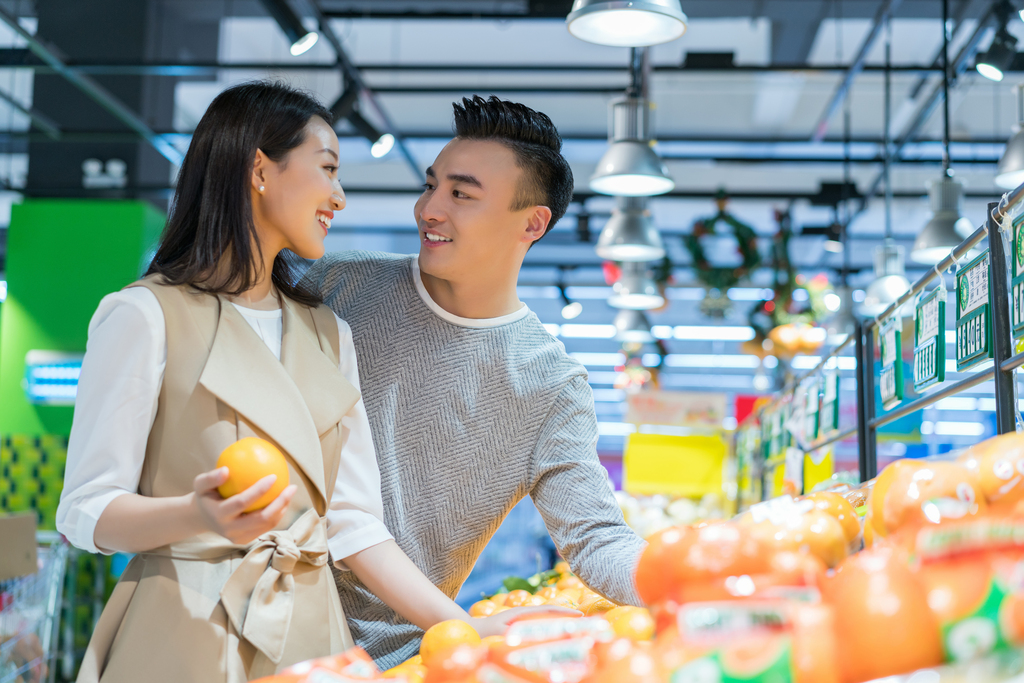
x: 51, y: 377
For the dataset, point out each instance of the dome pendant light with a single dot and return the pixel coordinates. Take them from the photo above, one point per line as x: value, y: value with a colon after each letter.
x: 626, y: 23
x: 946, y: 228
x: 635, y: 289
x: 890, y: 282
x: 632, y: 326
x: 631, y: 167
x: 630, y: 235
x: 1010, y: 172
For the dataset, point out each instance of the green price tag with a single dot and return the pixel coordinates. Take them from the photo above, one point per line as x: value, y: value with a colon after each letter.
x: 973, y: 314
x: 813, y: 401
x: 890, y: 381
x: 1017, y: 279
x: 930, y: 340
x: 828, y: 420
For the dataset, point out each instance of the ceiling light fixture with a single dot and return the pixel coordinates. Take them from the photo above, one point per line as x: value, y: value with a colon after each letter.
x: 631, y: 167
x: 947, y: 228
x: 1010, y: 172
x: 630, y: 234
x: 890, y: 281
x: 997, y: 59
x: 635, y: 289
x: 347, y: 108
x: 626, y: 23
x: 633, y: 326
x: 299, y: 38
x: 571, y: 309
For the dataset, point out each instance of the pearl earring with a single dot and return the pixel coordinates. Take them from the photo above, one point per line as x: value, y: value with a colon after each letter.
x: 262, y: 188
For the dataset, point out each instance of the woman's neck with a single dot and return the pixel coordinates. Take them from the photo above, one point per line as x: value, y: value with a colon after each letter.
x: 263, y: 295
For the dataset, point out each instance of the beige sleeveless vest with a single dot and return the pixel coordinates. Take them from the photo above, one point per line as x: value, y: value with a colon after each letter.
x: 206, y: 610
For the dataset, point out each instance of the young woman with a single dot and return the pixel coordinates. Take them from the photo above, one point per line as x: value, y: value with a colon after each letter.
x: 215, y: 344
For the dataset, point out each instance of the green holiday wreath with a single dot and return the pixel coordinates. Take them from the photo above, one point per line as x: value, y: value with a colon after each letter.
x: 746, y: 241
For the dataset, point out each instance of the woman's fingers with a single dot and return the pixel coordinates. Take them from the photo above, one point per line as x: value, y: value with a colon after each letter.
x: 236, y: 504
x: 208, y: 481
x: 272, y: 513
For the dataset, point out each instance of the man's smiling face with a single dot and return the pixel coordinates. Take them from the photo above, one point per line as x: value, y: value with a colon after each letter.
x: 466, y: 223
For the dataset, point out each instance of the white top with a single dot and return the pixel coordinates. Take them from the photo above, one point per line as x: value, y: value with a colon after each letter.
x: 116, y: 405
x: 479, y: 323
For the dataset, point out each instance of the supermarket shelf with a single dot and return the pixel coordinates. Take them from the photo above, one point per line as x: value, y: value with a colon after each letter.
x: 925, y: 401
x: 821, y: 443
x: 1013, y: 362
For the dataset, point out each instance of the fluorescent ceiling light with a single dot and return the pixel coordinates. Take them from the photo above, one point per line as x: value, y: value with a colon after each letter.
x: 626, y: 23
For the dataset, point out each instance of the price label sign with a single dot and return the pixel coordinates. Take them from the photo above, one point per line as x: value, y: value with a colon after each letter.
x: 973, y: 314
x: 828, y: 420
x: 891, y: 380
x: 1017, y: 278
x: 930, y: 340
x: 811, y: 413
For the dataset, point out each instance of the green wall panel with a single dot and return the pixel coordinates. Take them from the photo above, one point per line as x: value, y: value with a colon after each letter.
x: 63, y: 256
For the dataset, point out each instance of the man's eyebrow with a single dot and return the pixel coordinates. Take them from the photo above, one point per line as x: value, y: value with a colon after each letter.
x: 331, y: 152
x: 466, y: 179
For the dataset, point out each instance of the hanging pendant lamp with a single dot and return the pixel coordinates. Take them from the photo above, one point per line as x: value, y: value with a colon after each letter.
x: 946, y: 229
x: 631, y: 167
x: 1010, y: 172
x: 890, y: 282
x: 635, y: 289
x: 630, y: 234
x: 632, y: 326
x: 626, y: 23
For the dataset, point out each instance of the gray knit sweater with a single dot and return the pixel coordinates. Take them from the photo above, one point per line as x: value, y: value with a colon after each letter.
x: 466, y: 422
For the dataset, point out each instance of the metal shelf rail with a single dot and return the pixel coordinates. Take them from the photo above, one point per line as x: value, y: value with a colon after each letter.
x: 1002, y: 345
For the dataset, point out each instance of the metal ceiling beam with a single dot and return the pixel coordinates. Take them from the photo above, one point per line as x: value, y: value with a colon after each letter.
x: 22, y: 59
x: 352, y: 74
x: 94, y: 90
x: 40, y: 120
x: 885, y: 11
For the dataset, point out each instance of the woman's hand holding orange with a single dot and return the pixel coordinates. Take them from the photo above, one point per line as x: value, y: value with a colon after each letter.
x: 227, y: 516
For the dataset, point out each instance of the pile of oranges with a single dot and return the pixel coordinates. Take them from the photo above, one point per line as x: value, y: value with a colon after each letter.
x: 921, y: 567
x: 565, y: 590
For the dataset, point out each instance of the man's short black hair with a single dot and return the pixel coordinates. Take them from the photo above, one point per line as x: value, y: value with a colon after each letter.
x: 535, y: 142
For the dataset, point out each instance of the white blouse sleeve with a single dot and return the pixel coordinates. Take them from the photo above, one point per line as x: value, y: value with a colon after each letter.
x: 355, y: 520
x: 114, y: 410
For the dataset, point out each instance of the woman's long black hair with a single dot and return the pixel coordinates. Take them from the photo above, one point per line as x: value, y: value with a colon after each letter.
x: 211, y: 214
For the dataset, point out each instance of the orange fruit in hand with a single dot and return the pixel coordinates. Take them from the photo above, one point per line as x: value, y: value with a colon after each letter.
x: 634, y: 623
x: 517, y: 598
x: 483, y: 608
x: 249, y: 460
x: 446, y: 635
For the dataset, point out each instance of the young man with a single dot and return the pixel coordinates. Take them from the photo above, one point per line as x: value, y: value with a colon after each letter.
x: 472, y: 404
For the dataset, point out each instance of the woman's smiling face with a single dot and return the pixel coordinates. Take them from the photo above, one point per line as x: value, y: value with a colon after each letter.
x: 300, y: 193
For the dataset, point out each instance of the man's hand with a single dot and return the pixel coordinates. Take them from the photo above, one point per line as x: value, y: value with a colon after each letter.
x: 227, y: 516
x: 497, y: 624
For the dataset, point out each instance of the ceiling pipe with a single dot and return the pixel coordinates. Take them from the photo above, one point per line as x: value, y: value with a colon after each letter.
x: 95, y: 91
x: 885, y: 12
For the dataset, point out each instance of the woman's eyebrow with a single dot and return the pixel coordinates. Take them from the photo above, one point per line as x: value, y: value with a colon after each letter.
x: 331, y: 152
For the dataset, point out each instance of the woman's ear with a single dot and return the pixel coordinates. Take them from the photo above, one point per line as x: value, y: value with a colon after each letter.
x: 259, y: 169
